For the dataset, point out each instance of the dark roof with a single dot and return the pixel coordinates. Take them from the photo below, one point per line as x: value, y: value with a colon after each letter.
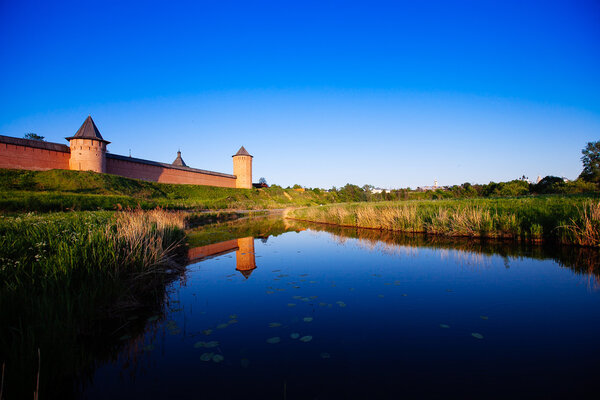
x: 242, y: 152
x: 246, y: 272
x: 164, y: 165
x: 179, y: 161
x: 88, y: 130
x: 38, y: 144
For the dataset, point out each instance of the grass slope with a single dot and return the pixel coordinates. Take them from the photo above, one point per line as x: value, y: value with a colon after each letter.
x: 58, y: 190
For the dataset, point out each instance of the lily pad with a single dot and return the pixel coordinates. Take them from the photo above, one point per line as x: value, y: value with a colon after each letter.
x: 207, y: 331
x: 291, y: 305
x: 477, y: 335
x: 218, y: 358
x: 197, y: 345
x: 322, y: 304
x: 274, y: 340
x: 314, y: 297
x: 307, y: 319
x: 233, y: 316
x: 381, y: 296
x: 306, y: 339
x: 444, y: 326
x: 274, y: 325
x: 222, y: 326
x: 295, y: 335
x: 483, y: 317
x: 270, y: 292
x: 305, y: 299
x: 232, y: 321
x: 296, y: 297
x: 212, y: 343
x: 206, y: 356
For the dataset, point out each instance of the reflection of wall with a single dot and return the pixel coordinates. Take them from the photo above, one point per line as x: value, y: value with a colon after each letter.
x: 245, y: 261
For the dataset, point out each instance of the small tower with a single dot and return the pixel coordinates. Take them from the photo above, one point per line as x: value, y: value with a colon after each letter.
x: 242, y: 169
x: 244, y: 256
x: 88, y: 148
x: 179, y: 161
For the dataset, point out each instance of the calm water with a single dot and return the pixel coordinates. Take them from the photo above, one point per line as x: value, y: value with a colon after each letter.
x: 345, y: 314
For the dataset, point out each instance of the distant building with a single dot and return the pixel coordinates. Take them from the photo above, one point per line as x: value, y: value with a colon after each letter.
x: 87, y: 151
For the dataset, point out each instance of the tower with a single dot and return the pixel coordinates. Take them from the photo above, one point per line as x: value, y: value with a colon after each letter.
x: 88, y: 148
x: 242, y: 169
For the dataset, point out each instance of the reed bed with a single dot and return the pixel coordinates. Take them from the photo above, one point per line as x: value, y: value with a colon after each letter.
x: 562, y: 219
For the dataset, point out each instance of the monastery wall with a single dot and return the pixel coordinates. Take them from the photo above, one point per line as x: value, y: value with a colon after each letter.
x: 18, y: 153
x: 164, y: 173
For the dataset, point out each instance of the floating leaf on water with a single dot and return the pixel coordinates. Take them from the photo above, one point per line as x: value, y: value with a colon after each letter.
x: 206, y: 356
x: 280, y: 290
x: 150, y: 347
x: 343, y: 305
x: 244, y: 362
x: 381, y: 296
x: 351, y: 289
x: 295, y: 335
x: 232, y: 321
x: 303, y: 274
x: 197, y: 345
x: 325, y: 356
x: 448, y: 290
x: 296, y: 287
x: 217, y: 358
x: 282, y: 275
x: 125, y: 337
x: 322, y: 304
x: 153, y: 318
x: 270, y: 292
x: 207, y: 331
x: 212, y: 343
x: 222, y: 326
x: 302, y: 280
x: 306, y: 299
x: 306, y: 339
x: 307, y: 319
x: 339, y: 302
x: 312, y: 281
x: 276, y: 270
x: 477, y: 335
x: 404, y: 295
x: 296, y: 297
x: 314, y: 297
x: 291, y: 304
x: 444, y: 326
x: 274, y: 340
x: 387, y: 283
x: 233, y: 316
x: 274, y: 325
x: 333, y: 285
x: 484, y: 317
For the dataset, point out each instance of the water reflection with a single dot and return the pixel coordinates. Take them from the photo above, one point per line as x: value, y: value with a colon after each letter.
x: 245, y: 260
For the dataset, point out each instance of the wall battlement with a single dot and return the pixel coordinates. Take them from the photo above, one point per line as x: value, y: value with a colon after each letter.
x: 88, y: 152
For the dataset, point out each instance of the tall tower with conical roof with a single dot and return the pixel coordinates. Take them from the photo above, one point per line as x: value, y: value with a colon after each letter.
x: 88, y: 148
x: 242, y: 169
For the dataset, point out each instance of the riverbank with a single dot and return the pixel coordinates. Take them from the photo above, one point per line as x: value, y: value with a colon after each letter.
x: 567, y: 220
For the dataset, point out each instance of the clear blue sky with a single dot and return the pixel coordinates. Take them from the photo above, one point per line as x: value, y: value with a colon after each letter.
x: 322, y: 93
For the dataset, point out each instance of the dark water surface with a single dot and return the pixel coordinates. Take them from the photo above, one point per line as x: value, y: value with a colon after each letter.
x: 367, y: 315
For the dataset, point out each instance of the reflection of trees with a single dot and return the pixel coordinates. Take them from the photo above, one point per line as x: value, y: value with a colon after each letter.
x: 582, y: 260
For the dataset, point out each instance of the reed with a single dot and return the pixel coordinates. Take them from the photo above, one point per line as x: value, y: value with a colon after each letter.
x: 532, y: 219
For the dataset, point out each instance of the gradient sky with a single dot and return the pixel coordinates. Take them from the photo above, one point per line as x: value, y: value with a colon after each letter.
x: 322, y: 93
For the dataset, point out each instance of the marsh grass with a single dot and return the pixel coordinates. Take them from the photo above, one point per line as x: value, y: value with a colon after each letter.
x: 532, y: 219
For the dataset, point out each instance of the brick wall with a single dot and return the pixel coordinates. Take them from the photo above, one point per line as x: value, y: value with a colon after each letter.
x: 18, y: 156
x: 156, y: 172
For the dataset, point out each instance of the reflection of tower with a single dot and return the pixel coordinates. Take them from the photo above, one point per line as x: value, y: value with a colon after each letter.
x: 245, y: 261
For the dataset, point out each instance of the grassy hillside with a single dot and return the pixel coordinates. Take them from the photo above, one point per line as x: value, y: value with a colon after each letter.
x: 58, y: 190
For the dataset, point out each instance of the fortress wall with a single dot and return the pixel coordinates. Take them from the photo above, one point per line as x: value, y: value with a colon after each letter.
x: 155, y: 172
x: 22, y: 156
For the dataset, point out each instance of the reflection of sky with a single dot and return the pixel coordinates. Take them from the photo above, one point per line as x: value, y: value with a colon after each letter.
x: 542, y: 322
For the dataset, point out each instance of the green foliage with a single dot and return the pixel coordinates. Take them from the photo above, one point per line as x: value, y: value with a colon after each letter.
x: 591, y: 162
x: 33, y: 136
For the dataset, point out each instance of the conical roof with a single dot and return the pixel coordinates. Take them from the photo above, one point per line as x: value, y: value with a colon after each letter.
x: 242, y: 152
x: 88, y: 130
x: 179, y: 161
x: 246, y: 272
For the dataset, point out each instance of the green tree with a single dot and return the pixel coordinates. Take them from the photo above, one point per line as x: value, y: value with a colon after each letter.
x: 591, y: 162
x: 33, y: 136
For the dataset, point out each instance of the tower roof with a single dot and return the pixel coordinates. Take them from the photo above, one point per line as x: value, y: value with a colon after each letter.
x: 242, y: 152
x: 179, y: 161
x: 88, y: 130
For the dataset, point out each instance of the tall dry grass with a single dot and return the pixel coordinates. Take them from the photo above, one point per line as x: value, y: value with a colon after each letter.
x: 533, y: 219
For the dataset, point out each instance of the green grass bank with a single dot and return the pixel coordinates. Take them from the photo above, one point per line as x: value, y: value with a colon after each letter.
x: 62, y: 190
x: 567, y: 220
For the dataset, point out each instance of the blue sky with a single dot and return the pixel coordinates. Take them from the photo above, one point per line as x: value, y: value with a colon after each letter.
x: 322, y: 93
